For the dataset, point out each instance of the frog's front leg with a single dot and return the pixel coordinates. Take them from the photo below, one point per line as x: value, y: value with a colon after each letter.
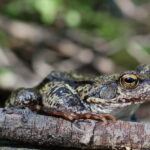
x: 25, y: 97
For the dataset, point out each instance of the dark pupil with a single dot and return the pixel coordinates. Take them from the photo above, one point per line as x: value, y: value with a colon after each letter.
x: 129, y: 80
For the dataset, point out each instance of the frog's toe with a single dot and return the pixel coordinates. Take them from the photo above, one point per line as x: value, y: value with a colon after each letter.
x: 104, y: 118
x: 111, y: 117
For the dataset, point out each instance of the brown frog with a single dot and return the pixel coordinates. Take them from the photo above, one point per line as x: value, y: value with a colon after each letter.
x: 74, y: 96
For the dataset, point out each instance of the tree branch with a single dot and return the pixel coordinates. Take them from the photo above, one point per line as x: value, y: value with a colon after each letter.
x: 22, y: 125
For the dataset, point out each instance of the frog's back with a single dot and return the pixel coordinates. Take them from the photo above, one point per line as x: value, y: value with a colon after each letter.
x: 67, y: 76
x: 71, y: 78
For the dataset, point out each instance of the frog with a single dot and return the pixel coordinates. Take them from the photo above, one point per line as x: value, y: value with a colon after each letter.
x: 72, y: 96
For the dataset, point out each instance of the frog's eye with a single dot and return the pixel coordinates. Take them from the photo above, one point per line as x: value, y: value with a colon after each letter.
x: 129, y: 81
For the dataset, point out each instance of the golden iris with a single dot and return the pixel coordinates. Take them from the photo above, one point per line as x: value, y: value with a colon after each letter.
x: 129, y: 81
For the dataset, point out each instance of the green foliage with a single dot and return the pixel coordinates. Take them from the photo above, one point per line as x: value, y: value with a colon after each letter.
x: 147, y: 49
x: 140, y: 1
x: 48, y: 9
x: 4, y: 71
x: 81, y: 14
x: 3, y: 38
x: 17, y: 8
x: 73, y: 18
x: 108, y: 26
x: 122, y: 58
x: 101, y: 18
x: 98, y: 17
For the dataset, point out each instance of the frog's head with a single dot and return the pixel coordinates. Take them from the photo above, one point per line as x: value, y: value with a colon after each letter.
x: 119, y: 91
x: 134, y: 86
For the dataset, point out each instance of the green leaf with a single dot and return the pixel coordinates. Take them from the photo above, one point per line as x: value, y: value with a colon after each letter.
x: 47, y: 9
x: 73, y: 18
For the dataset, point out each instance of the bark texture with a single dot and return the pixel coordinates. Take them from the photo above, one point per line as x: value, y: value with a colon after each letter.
x: 24, y: 126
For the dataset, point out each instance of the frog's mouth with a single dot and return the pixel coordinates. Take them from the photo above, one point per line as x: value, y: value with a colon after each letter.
x: 124, y: 97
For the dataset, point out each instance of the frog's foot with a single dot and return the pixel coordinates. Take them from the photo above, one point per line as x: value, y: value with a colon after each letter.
x: 73, y: 116
x: 109, y: 117
x: 102, y: 117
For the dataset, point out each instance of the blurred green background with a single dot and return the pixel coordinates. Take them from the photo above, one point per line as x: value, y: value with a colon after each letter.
x: 88, y: 36
x: 94, y: 37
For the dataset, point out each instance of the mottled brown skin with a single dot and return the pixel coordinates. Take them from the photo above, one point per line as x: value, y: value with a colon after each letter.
x: 73, y: 96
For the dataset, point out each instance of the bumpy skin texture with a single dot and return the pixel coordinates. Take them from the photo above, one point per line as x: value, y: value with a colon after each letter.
x: 73, y: 96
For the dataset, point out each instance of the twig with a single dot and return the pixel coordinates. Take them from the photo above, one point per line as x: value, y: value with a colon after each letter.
x: 21, y: 125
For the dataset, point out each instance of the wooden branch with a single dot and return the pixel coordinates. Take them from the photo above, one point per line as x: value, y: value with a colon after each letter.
x: 22, y: 125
